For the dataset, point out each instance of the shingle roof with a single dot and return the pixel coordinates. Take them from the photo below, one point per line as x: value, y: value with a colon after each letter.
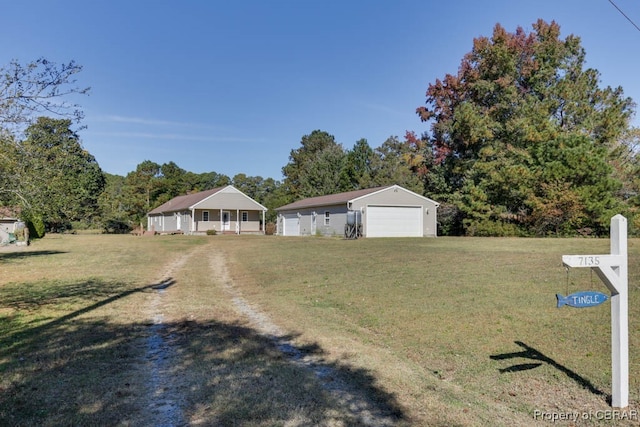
x: 10, y: 212
x: 331, y: 199
x: 181, y: 203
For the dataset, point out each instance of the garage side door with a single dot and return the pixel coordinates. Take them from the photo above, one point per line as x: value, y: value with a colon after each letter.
x: 394, y: 221
x: 291, y: 225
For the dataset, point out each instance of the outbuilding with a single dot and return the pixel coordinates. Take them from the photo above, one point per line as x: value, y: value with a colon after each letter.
x: 9, y: 218
x: 10, y: 223
x: 389, y: 211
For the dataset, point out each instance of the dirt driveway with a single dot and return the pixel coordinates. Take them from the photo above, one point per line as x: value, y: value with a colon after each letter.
x: 177, y: 390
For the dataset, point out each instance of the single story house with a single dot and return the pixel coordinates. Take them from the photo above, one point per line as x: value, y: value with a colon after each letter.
x: 224, y: 209
x: 390, y: 211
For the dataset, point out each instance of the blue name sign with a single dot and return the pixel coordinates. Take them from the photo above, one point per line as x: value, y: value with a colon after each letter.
x: 582, y: 299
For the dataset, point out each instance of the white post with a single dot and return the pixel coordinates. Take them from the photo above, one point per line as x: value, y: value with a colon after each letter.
x: 613, y: 271
x: 620, y: 316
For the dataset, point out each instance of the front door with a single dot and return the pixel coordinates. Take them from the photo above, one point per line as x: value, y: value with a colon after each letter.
x: 226, y: 221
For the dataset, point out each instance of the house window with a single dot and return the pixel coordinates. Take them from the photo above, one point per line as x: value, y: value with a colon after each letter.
x: 326, y: 218
x: 205, y: 216
x: 245, y: 216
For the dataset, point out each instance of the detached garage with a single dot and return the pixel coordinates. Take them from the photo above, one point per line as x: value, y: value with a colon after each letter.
x: 390, y: 211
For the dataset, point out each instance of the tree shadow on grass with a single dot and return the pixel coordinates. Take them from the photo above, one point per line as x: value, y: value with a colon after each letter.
x: 75, y: 370
x: 35, y: 295
x: 18, y: 254
x: 540, y: 358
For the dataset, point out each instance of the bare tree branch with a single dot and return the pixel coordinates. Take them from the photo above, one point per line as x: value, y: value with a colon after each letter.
x: 38, y: 87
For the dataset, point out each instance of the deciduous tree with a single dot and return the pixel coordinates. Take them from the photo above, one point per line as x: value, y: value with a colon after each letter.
x: 511, y: 127
x: 40, y: 87
x: 357, y: 170
x: 314, y: 168
x: 141, y: 188
x: 59, y: 179
x: 29, y: 91
x: 390, y: 166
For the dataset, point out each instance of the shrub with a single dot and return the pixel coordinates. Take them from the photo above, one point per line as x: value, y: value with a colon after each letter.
x: 488, y: 228
x: 116, y: 226
x: 270, y: 229
x: 212, y: 232
x: 36, y: 226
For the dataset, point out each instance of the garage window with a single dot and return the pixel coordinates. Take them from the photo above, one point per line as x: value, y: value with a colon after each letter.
x: 327, y: 218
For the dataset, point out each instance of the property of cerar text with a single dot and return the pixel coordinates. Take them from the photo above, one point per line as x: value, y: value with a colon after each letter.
x: 599, y: 415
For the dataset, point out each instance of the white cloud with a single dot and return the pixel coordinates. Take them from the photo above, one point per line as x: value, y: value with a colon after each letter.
x: 114, y: 118
x: 173, y: 136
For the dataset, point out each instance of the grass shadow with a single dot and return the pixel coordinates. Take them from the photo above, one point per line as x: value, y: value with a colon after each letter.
x: 19, y: 254
x: 540, y: 359
x: 31, y: 297
x: 267, y: 381
x: 211, y: 373
x: 73, y: 370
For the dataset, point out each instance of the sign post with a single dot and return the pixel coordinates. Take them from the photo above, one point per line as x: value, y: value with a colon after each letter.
x: 612, y: 270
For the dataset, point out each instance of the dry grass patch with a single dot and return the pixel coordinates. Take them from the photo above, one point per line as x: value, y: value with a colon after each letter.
x: 71, y: 327
x: 461, y: 331
x: 236, y: 373
x: 102, y: 330
x: 118, y: 330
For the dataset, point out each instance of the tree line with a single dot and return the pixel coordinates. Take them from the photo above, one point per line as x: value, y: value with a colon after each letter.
x: 320, y: 166
x: 521, y: 141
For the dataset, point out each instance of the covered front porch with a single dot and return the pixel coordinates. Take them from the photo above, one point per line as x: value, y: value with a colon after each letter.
x: 228, y: 221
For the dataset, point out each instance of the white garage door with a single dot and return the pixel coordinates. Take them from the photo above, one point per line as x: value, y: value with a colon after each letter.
x: 291, y: 225
x: 394, y: 221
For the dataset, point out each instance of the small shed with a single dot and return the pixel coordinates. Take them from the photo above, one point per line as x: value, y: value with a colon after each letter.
x: 9, y: 218
x: 389, y: 211
x: 9, y: 222
x: 224, y: 209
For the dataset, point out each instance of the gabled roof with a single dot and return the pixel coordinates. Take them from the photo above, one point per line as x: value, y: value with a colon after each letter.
x: 182, y: 203
x: 331, y: 199
x: 191, y: 201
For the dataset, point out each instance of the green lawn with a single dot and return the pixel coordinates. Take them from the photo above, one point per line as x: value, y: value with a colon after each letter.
x: 449, y: 324
x: 449, y: 331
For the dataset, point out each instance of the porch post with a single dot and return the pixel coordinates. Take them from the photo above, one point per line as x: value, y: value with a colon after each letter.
x: 264, y: 226
x: 193, y: 220
x: 221, y: 223
x: 237, y: 221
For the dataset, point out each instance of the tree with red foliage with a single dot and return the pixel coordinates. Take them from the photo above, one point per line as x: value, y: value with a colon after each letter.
x: 514, y: 122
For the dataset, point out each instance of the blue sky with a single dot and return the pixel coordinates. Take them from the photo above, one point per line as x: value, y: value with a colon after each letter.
x: 232, y: 86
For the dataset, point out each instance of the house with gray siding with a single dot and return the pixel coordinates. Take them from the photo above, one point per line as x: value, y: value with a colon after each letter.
x: 224, y: 209
x: 389, y: 211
